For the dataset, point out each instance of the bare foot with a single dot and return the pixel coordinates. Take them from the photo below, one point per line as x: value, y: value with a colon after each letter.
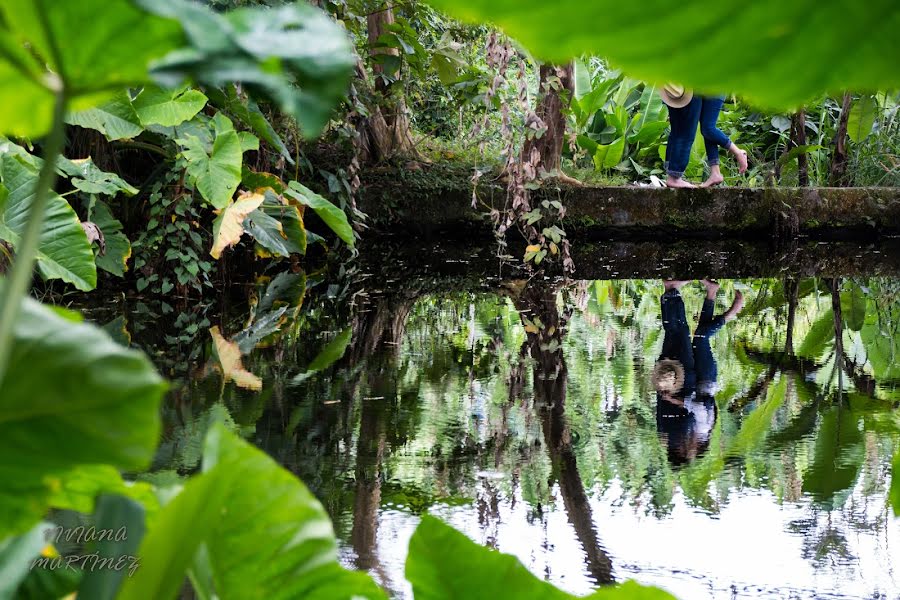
x: 741, y: 157
x: 678, y: 182
x: 713, y: 180
x: 674, y: 284
x: 736, y: 306
x: 712, y: 288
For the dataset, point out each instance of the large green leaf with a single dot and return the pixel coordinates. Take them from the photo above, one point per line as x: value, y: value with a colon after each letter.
x: 115, y: 118
x: 16, y: 555
x: 84, y: 47
x: 295, y: 55
x: 217, y: 173
x: 63, y: 248
x: 260, y: 532
x: 819, y: 46
x: 818, y: 337
x: 88, y: 178
x: 862, y: 118
x: 443, y: 564
x: 156, y: 106
x: 838, y: 457
x: 278, y: 226
x: 114, y: 513
x: 72, y: 397
x: 334, y: 217
x: 248, y: 112
x: 118, y: 249
x: 853, y: 306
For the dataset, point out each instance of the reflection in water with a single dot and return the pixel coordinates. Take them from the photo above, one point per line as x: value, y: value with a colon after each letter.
x: 545, y: 326
x: 686, y: 375
x: 533, y: 418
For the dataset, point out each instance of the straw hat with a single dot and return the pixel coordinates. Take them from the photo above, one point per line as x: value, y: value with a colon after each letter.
x: 668, y: 376
x: 675, y: 96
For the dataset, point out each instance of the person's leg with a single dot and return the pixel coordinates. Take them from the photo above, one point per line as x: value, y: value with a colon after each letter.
x: 683, y: 122
x: 715, y: 138
x: 704, y: 361
x: 677, y: 338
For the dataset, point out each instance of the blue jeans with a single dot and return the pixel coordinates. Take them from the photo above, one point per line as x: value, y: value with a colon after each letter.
x: 713, y: 137
x: 683, y: 122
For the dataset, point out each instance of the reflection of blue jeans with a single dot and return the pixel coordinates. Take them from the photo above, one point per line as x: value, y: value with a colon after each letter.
x: 677, y: 339
x: 683, y: 123
x: 704, y: 362
x: 694, y: 354
x: 712, y: 135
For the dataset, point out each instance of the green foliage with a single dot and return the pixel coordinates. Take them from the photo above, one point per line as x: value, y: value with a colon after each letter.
x: 116, y: 118
x: 895, y: 485
x: 113, y: 257
x: 72, y: 49
x: 156, y: 106
x: 76, y: 398
x: 168, y: 252
x: 862, y: 118
x: 16, y: 554
x: 333, y: 217
x: 675, y: 45
x: 294, y: 55
x: 243, y: 496
x: 444, y: 564
x: 839, y: 454
x: 215, y: 171
x: 619, y: 122
x: 63, y: 248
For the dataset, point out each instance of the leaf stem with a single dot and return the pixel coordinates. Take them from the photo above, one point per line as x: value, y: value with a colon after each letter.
x: 19, y: 281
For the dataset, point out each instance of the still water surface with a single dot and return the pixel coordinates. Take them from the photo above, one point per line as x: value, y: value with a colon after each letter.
x: 527, y: 414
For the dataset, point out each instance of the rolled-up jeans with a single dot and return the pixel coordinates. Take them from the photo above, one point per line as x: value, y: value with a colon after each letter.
x: 683, y: 122
x: 713, y: 137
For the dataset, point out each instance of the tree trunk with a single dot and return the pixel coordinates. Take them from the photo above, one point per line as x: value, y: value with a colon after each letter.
x: 550, y: 377
x: 838, y: 176
x: 557, y: 84
x: 792, y: 290
x: 798, y: 137
x: 386, y: 133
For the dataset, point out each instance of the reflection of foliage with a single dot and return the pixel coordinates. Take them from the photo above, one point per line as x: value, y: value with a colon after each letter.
x: 430, y: 404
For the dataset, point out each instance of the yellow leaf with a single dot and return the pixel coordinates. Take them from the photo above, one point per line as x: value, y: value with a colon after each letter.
x: 230, y: 358
x: 229, y: 225
x: 533, y: 248
x: 531, y: 329
x: 554, y: 249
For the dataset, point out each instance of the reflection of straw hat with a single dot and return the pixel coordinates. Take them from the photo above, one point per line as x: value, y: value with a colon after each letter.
x: 675, y: 95
x: 668, y: 376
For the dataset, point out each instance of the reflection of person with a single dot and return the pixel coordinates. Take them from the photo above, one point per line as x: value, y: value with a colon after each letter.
x: 686, y: 374
x: 686, y: 110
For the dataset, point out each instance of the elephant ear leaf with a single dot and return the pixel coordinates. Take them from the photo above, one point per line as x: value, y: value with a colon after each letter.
x: 98, y: 59
x: 333, y: 216
x: 211, y: 531
x: 216, y: 172
x: 674, y: 45
x: 64, y: 251
x: 77, y: 400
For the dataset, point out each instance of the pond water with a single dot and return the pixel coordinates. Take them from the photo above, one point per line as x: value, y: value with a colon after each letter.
x: 526, y: 413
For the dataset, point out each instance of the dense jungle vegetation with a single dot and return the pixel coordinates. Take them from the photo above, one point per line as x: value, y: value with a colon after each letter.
x: 169, y: 148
